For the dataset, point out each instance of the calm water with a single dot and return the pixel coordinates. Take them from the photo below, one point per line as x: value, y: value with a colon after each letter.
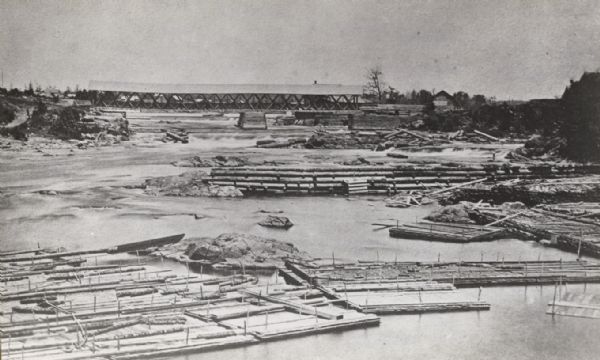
x: 515, y: 328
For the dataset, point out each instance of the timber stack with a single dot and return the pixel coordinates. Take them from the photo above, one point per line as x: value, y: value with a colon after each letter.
x: 380, y: 179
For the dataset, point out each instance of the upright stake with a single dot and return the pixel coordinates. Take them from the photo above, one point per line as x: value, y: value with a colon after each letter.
x: 479, y: 295
x: 554, y: 299
x: 94, y: 303
x: 579, y: 246
x: 187, y: 335
x: 267, y: 319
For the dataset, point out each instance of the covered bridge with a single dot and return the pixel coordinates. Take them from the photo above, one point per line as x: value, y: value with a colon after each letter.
x: 226, y: 97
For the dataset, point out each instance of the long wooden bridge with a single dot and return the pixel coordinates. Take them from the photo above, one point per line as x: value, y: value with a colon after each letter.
x: 226, y: 97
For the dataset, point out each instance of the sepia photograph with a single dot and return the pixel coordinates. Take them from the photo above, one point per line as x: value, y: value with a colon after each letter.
x: 299, y: 179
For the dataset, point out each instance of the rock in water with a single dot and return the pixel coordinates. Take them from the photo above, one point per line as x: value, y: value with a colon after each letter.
x: 234, y: 249
x: 280, y: 222
x: 451, y: 214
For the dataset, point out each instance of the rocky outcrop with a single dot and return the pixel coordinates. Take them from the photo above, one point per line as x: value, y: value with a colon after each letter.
x: 280, y: 222
x: 451, y: 214
x: 234, y: 250
x: 188, y: 184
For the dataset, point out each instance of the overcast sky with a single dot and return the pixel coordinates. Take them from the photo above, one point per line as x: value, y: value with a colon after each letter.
x: 510, y: 49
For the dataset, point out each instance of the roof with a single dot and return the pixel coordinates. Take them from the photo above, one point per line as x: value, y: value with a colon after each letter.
x: 445, y: 94
x: 313, y: 89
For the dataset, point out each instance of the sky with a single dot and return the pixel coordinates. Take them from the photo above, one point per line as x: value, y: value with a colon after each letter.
x: 510, y: 49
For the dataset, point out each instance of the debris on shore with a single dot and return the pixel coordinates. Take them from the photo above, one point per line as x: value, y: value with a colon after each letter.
x: 531, y: 192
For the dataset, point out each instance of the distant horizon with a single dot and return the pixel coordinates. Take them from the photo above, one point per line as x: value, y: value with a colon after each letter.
x: 508, y: 50
x: 402, y: 92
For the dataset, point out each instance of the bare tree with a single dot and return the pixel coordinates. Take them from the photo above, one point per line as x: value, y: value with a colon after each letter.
x: 375, y: 83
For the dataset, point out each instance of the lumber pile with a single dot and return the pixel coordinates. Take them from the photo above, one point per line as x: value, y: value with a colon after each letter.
x: 387, y: 180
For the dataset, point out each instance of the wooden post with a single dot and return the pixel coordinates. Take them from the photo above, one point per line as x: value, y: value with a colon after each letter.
x: 431, y: 273
x: 479, y: 295
x: 8, y: 347
x: 187, y: 335
x: 554, y: 299
x: 420, y: 299
x: 118, y: 308
x: 560, y: 286
x: 579, y: 246
x: 201, y: 270
x: 482, y: 256
x: 137, y: 255
x: 267, y: 319
x: 201, y: 292
x: 118, y: 343
x: 94, y: 303
x: 439, y: 258
x: 245, y: 327
x: 346, y: 294
x: 333, y: 258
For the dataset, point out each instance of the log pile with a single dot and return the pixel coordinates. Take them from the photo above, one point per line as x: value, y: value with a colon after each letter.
x: 381, y: 179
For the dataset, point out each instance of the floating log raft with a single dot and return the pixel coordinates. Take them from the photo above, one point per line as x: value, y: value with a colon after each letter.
x: 460, y: 274
x: 457, y: 233
x: 117, y: 249
x: 130, y: 311
x: 575, y: 304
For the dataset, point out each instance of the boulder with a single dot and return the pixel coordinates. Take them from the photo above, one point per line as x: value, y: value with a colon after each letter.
x: 280, y: 222
x: 451, y: 214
